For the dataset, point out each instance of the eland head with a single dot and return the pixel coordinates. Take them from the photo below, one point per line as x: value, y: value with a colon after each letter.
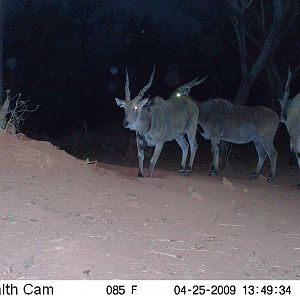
x: 133, y: 107
x: 185, y: 89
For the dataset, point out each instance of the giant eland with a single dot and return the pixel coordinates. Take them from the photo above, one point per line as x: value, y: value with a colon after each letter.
x: 290, y: 116
x: 156, y: 121
x: 224, y: 121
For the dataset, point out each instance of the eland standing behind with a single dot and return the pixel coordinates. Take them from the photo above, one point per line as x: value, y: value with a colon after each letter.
x: 156, y: 121
x: 224, y: 121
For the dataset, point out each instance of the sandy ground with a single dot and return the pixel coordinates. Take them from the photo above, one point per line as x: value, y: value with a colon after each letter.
x: 62, y: 218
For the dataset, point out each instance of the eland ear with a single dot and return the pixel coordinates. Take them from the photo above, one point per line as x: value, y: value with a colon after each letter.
x: 143, y: 102
x: 120, y: 102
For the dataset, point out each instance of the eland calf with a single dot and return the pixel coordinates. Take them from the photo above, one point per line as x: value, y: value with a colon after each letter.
x: 156, y: 121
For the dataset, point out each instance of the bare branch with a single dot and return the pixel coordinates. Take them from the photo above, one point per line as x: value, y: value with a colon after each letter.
x: 233, y: 4
x: 16, y: 114
x: 246, y: 4
x: 287, y: 86
x: 263, y: 22
x: 239, y: 7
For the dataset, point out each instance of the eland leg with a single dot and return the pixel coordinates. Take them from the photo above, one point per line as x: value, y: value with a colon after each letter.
x: 224, y: 154
x: 155, y: 157
x: 184, y: 145
x: 215, y: 153
x: 298, y: 160
x: 272, y: 153
x: 193, y: 148
x: 141, y: 156
x: 262, y: 155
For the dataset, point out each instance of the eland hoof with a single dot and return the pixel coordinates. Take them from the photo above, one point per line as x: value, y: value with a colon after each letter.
x: 270, y: 179
x: 298, y: 185
x: 213, y: 173
x: 253, y: 176
x: 181, y: 172
x: 140, y: 174
x: 187, y: 173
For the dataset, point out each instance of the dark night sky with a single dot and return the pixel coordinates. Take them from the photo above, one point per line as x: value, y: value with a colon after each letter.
x: 167, y: 12
x: 54, y: 51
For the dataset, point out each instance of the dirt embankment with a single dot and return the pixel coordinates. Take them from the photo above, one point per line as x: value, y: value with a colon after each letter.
x: 62, y: 218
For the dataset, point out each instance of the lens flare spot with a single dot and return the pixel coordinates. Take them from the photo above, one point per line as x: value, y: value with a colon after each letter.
x: 12, y: 62
x: 114, y: 70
